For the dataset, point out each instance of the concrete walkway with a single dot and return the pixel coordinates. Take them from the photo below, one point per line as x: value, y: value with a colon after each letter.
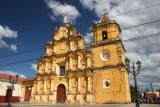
x: 74, y: 105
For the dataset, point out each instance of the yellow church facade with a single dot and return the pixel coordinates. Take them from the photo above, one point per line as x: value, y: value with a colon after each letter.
x: 72, y: 74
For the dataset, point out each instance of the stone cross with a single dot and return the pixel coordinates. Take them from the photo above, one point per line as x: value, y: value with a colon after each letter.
x: 105, y: 11
x: 65, y: 19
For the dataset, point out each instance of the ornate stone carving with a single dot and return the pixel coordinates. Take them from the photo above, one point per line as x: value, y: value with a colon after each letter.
x: 84, y: 83
x: 74, y: 85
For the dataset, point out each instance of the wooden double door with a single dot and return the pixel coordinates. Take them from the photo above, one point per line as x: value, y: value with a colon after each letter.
x: 61, y: 94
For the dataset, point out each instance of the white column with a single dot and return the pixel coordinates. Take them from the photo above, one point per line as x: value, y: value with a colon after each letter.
x: 38, y: 86
x: 54, y: 48
x: 42, y: 67
x: 79, y: 61
x: 79, y: 84
x: 48, y: 86
x: 88, y: 62
x: 47, y: 50
x: 71, y: 45
x: 34, y: 88
x: 44, y: 86
x: 52, y: 87
x: 39, y: 68
x: 89, y: 83
x: 66, y: 66
x: 49, y: 66
x: 70, y: 62
x: 53, y: 65
x: 70, y: 84
x: 46, y: 66
x: 50, y: 51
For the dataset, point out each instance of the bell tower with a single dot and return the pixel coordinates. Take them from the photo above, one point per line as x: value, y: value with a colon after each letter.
x: 110, y: 74
x: 106, y: 44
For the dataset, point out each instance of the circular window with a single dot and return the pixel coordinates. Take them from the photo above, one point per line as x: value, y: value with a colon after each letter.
x: 105, y: 55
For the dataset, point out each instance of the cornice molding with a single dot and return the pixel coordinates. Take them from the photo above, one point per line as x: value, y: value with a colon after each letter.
x: 105, y: 42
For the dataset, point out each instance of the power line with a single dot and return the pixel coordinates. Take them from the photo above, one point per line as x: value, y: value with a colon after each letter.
x: 136, y: 10
x: 22, y: 52
x: 28, y: 60
x: 142, y: 37
x: 22, y: 61
x: 32, y: 50
x: 143, y: 77
x: 37, y: 49
x: 141, y: 24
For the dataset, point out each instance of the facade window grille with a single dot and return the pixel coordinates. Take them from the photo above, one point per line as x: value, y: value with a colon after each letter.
x: 62, y: 71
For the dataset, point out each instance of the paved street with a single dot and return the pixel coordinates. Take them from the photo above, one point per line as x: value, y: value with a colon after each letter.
x: 64, y: 105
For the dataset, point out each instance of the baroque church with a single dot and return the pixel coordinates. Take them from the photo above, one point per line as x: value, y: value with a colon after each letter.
x: 72, y: 74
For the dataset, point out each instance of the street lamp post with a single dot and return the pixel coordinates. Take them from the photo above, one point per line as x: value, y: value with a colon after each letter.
x: 134, y: 70
x: 13, y: 80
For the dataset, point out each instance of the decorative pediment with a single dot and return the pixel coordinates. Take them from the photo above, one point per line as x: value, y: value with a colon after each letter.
x: 62, y: 32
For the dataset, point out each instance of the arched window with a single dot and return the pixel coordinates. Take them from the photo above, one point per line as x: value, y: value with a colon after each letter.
x: 104, y: 35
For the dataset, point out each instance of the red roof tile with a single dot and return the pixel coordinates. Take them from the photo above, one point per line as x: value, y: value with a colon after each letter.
x: 6, y: 76
x: 29, y: 79
x: 151, y: 95
x: 158, y: 89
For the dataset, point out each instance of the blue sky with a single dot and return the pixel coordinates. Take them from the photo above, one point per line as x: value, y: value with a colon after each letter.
x: 29, y: 24
x: 31, y: 20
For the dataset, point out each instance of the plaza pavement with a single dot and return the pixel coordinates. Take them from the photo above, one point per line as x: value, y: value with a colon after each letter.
x: 73, y: 105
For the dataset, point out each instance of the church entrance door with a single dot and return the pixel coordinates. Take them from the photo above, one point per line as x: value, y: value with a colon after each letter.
x: 61, y: 93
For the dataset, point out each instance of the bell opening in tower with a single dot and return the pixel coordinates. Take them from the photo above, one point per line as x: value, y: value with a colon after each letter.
x: 104, y: 35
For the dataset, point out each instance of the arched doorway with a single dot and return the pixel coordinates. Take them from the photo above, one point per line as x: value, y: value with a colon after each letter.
x: 27, y: 94
x: 61, y: 93
x: 9, y: 95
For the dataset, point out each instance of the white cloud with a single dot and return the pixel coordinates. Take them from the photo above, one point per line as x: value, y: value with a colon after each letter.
x: 88, y: 38
x: 13, y: 47
x: 3, y: 44
x: 6, y: 32
x: 34, y: 67
x: 114, y: 7
x: 146, y: 50
x: 88, y: 4
x: 13, y: 73
x: 59, y: 9
x: 96, y: 5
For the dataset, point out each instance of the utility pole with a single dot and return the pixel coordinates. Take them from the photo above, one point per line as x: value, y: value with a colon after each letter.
x: 13, y: 80
x: 134, y: 70
x: 151, y: 85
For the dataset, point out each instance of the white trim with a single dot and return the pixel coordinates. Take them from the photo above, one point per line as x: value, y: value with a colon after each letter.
x: 64, y: 83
